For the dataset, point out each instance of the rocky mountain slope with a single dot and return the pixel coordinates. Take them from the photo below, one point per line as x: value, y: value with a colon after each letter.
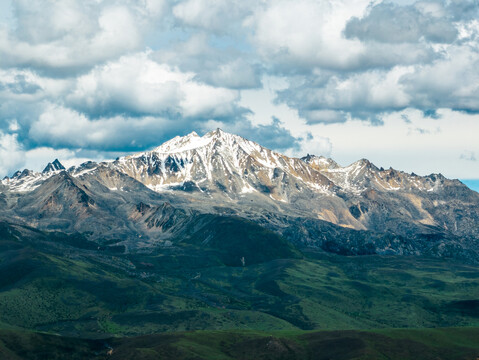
x: 161, y: 197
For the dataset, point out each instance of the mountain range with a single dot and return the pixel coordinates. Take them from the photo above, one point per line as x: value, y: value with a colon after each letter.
x: 163, y: 196
x: 143, y: 256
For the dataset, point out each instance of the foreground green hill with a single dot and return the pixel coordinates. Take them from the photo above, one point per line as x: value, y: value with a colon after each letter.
x: 434, y: 344
x: 66, y: 285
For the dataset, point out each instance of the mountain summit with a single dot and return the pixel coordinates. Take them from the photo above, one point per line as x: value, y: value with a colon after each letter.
x: 157, y: 196
x: 223, y: 163
x: 53, y: 166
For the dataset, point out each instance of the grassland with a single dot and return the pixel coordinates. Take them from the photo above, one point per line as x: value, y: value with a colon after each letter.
x: 77, y: 292
x: 198, y: 301
x: 414, y: 344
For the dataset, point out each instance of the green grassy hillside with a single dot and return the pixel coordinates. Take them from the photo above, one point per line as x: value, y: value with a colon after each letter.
x: 434, y: 344
x: 56, y: 283
x: 203, y: 302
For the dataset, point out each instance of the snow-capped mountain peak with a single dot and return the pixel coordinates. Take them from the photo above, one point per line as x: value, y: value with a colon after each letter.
x: 231, y: 165
x: 28, y: 180
x: 181, y: 143
x: 221, y: 162
x: 219, y: 170
x: 192, y: 141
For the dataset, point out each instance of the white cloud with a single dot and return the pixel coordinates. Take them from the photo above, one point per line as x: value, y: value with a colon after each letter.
x: 11, y: 154
x: 28, y: 86
x: 450, y: 82
x: 324, y: 116
x: 13, y: 125
x: 333, y: 78
x: 390, y: 23
x: 137, y: 85
x: 13, y: 157
x: 237, y: 74
x: 306, y: 34
x: 218, y: 16
x: 62, y: 127
x: 215, y: 65
x: 63, y: 37
x: 312, y: 144
x: 359, y: 93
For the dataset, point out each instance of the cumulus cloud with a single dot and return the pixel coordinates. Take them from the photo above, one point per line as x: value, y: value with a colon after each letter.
x: 452, y: 82
x: 136, y: 85
x: 235, y: 74
x: 11, y: 154
x: 61, y: 127
x: 391, y: 23
x: 273, y: 136
x: 317, y: 40
x: 362, y: 95
x: 61, y: 38
x: 446, y: 83
x: 360, y: 59
x: 219, y: 16
x: 449, y: 82
x: 218, y: 66
x: 129, y: 104
x: 20, y: 85
x: 462, y: 9
x: 306, y: 33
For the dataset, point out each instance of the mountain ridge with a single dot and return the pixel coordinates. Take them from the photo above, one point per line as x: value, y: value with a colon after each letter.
x: 185, y: 144
x: 225, y: 174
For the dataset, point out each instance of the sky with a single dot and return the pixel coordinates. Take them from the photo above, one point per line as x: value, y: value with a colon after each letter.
x: 396, y: 82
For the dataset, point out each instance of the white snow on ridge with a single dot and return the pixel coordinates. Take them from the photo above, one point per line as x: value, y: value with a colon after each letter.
x: 82, y: 172
x: 28, y: 183
x: 232, y: 161
x: 164, y: 187
x: 181, y: 144
x: 247, y: 189
x: 193, y: 141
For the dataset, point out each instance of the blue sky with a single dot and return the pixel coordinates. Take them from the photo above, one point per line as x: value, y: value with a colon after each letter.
x: 396, y: 82
x: 473, y: 184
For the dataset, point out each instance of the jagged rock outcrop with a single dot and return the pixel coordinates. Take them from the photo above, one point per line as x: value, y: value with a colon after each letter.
x: 53, y: 166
